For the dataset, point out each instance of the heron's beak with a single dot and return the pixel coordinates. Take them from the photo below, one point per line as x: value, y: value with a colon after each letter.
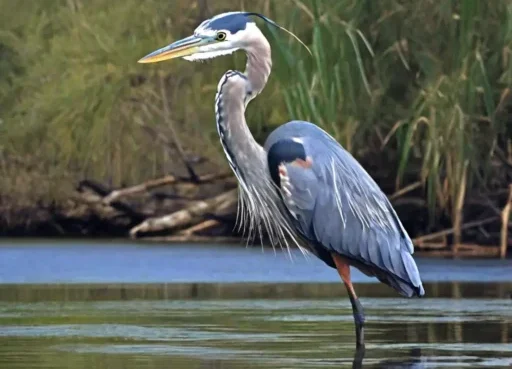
x: 185, y: 47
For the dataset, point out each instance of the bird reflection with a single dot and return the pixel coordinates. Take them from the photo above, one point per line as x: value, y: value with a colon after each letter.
x: 413, y: 361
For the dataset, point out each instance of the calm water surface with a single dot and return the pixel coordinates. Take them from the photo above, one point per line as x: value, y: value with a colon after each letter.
x: 427, y: 333
x: 90, y: 320
x: 76, y: 262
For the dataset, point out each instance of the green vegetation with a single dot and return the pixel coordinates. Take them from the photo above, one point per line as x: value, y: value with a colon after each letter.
x: 415, y: 90
x: 423, y: 81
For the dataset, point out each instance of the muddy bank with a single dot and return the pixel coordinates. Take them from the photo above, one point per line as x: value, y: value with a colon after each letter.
x: 203, y: 209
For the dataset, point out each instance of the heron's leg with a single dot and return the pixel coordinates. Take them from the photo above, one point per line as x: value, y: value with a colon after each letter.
x: 357, y: 363
x: 357, y: 309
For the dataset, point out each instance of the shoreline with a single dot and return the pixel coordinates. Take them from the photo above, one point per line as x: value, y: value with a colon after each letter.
x: 476, y: 252
x: 30, y: 292
x: 204, y: 210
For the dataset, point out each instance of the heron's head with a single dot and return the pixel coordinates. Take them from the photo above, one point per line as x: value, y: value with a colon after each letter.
x: 220, y: 35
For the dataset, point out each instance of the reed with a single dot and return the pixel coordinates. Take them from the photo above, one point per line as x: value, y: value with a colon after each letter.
x: 425, y: 79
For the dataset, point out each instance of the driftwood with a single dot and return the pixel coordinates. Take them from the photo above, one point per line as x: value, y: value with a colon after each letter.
x: 200, y: 227
x: 159, y: 182
x: 202, y: 208
x: 201, y: 220
x: 420, y: 241
x: 169, y: 217
x: 187, y: 215
x: 91, y: 194
x: 195, y: 239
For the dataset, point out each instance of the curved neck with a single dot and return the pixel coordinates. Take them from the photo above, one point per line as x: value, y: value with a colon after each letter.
x: 234, y: 92
x: 259, y: 63
x: 260, y: 205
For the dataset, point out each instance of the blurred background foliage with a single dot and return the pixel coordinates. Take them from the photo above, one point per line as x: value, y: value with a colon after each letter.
x: 417, y: 91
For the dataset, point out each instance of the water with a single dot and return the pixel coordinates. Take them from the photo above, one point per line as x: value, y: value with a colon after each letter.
x: 139, y: 306
x: 110, y: 262
x: 253, y: 333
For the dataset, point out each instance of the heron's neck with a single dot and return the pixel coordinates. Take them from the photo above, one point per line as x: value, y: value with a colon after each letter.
x: 235, y: 90
x: 260, y: 206
x: 259, y: 64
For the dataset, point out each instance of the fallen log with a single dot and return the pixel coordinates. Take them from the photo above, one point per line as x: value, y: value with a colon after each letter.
x: 91, y: 193
x: 187, y: 215
x: 195, y: 239
x: 159, y: 182
x: 200, y: 227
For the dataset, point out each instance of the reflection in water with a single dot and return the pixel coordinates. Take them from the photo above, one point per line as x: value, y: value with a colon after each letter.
x: 414, y: 361
x: 252, y: 333
x: 253, y: 290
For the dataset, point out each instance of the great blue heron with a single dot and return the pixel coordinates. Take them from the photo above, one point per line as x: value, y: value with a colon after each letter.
x: 302, y: 186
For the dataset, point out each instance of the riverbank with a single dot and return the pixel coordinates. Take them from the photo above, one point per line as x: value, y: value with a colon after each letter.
x: 203, y: 208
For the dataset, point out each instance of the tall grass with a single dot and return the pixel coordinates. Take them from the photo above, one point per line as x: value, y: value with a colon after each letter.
x: 420, y: 82
x: 82, y: 98
x: 331, y: 87
x: 429, y: 74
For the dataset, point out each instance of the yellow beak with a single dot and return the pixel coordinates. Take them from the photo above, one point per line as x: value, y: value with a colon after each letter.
x: 185, y: 47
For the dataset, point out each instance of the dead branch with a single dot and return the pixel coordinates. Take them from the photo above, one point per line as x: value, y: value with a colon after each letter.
x: 174, y: 137
x: 157, y: 134
x: 503, y: 158
x: 432, y: 245
x: 159, y: 182
x: 186, y: 215
x: 405, y: 190
x: 194, y: 239
x: 200, y: 227
x: 93, y: 186
x: 505, y: 215
x: 91, y: 194
x: 465, y: 250
x: 420, y: 240
x: 410, y: 201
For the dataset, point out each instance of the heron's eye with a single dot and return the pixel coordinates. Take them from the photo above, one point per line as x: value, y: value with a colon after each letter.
x: 221, y: 36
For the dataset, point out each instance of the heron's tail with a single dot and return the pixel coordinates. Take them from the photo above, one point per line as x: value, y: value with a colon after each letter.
x: 414, y: 274
x: 408, y: 286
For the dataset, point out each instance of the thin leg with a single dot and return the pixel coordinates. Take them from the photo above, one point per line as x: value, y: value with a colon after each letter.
x: 357, y: 363
x: 357, y: 309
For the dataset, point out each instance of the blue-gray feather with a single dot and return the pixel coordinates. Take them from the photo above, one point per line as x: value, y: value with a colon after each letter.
x: 232, y: 22
x: 237, y: 21
x: 338, y: 207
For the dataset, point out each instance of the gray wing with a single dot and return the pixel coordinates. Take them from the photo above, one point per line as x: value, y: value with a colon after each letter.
x: 336, y: 205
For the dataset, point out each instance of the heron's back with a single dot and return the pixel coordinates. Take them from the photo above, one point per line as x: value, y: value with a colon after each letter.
x: 339, y: 208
